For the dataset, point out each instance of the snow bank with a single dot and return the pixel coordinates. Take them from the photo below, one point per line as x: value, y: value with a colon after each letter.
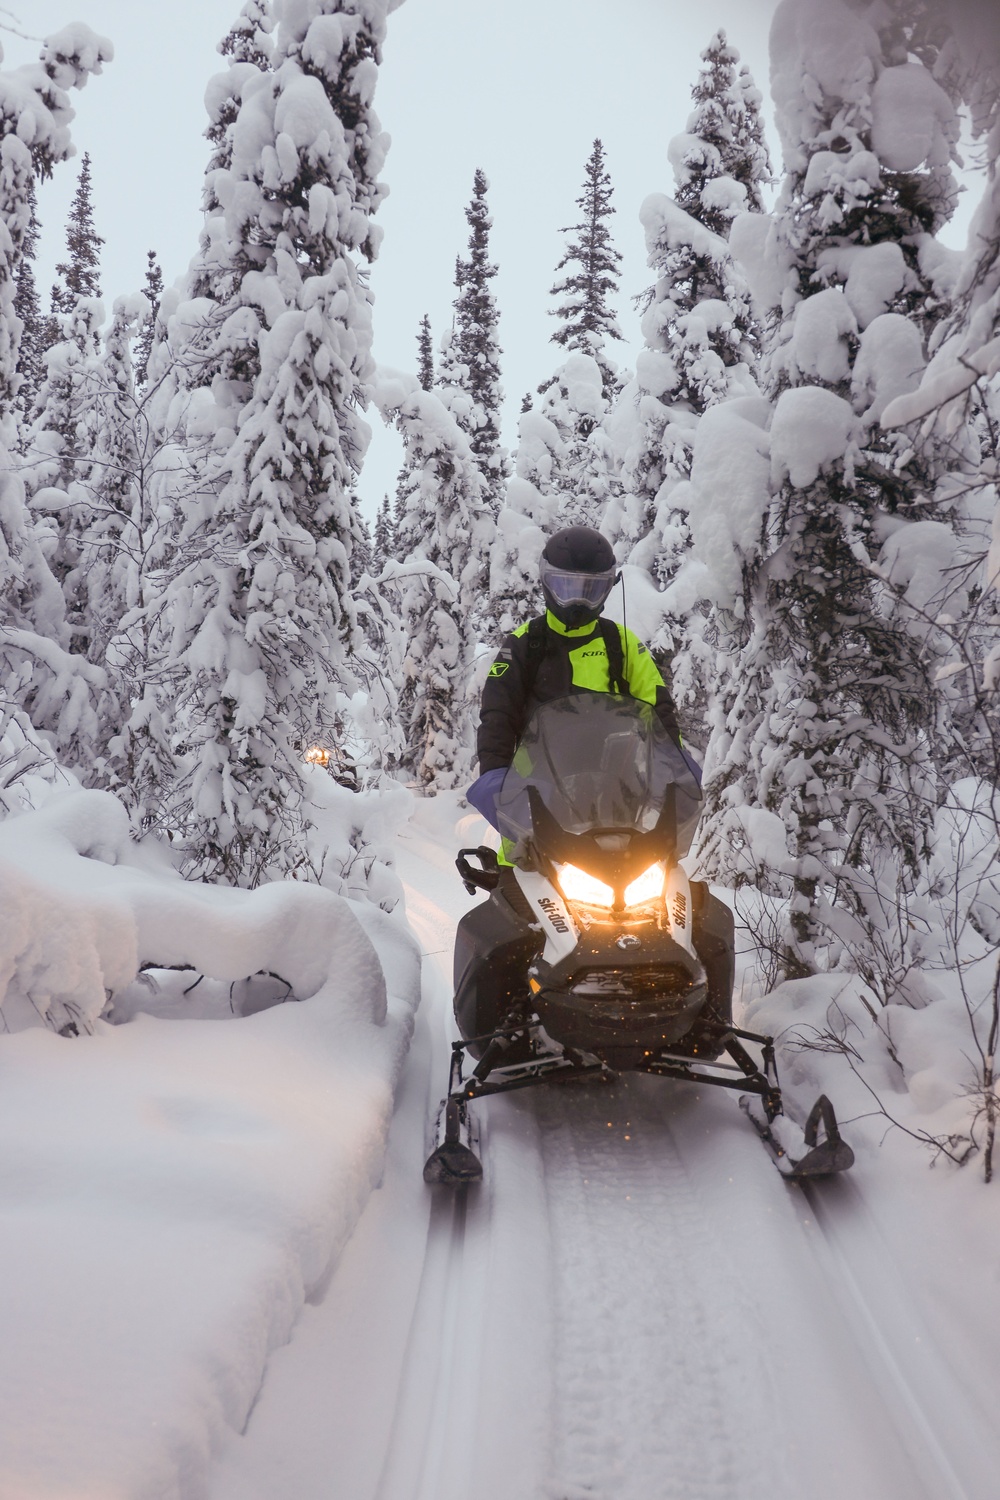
x: 172, y: 1190
x: 80, y: 919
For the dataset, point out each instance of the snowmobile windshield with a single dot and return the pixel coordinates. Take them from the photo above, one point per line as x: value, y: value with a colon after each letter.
x: 599, y: 761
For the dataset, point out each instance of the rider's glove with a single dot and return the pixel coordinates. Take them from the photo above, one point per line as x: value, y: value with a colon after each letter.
x: 483, y: 794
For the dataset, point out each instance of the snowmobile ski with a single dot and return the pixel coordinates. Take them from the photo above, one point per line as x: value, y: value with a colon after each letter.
x: 453, y: 1163
x: 822, y: 1158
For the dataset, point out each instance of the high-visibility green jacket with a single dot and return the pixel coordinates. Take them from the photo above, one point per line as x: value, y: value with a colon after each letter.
x: 569, y: 661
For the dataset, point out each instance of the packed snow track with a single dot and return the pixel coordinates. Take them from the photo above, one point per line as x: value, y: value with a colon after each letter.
x: 632, y: 1306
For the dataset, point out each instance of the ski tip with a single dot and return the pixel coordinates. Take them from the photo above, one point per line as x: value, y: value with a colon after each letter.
x: 824, y: 1160
x: 452, y: 1165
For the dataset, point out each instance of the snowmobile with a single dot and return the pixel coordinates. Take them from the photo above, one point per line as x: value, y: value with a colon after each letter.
x: 595, y: 954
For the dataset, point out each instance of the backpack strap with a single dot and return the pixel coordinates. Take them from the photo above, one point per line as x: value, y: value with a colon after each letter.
x: 537, y: 637
x: 611, y: 636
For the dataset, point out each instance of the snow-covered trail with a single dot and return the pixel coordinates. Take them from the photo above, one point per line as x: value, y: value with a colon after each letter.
x: 633, y: 1306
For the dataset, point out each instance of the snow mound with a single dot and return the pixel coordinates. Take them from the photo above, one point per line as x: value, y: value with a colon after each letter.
x: 81, y: 918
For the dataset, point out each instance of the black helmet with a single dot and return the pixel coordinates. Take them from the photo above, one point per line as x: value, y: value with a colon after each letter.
x: 578, y: 572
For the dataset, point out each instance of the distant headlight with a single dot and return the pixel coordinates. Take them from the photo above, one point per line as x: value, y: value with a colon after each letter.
x: 646, y: 887
x: 577, y: 885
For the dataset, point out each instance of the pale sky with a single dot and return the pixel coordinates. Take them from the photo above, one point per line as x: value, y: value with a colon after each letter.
x: 519, y: 88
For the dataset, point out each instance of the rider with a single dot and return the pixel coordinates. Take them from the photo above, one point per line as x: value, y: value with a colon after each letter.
x: 569, y: 649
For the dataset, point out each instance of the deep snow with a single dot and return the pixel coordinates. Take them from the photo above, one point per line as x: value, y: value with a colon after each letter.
x: 176, y: 1181
x: 633, y: 1304
x: 203, y: 1298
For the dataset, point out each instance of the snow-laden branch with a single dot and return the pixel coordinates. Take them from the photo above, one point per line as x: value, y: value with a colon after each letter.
x: 942, y: 385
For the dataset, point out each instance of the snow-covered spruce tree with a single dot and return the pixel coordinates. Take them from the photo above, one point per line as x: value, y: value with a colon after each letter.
x: 583, y: 477
x: 404, y: 480
x: 952, y: 420
x: 701, y: 347
x: 441, y: 539
x: 425, y: 355
x: 37, y: 673
x: 587, y: 319
x: 831, y: 731
x: 383, y: 544
x: 59, y: 443
x: 469, y: 377
x: 28, y: 308
x: 58, y: 450
x: 123, y: 550
x: 153, y: 292
x: 197, y: 366
x: 220, y: 349
x: 80, y: 272
x: 265, y: 645
x: 701, y: 338
x: 525, y: 520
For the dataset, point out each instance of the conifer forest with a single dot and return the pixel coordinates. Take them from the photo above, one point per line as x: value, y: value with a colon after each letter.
x: 228, y: 677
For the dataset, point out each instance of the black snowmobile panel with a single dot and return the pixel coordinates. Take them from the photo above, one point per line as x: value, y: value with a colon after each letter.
x: 494, y: 947
x: 714, y: 935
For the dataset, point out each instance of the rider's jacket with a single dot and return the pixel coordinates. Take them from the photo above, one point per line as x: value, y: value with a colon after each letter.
x: 533, y: 667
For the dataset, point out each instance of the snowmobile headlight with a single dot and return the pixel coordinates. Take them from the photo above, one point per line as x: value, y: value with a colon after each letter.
x: 646, y: 887
x: 577, y: 885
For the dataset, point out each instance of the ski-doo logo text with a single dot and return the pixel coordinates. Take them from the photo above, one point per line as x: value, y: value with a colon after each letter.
x: 680, y: 911
x: 553, y: 913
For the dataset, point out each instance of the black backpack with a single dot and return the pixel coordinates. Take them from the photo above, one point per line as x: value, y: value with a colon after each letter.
x: 539, y: 636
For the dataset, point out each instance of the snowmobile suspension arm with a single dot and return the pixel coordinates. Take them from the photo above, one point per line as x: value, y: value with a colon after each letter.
x: 752, y: 1079
x: 477, y: 1088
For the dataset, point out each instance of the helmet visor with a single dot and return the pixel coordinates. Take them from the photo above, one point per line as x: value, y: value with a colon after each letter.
x: 577, y: 588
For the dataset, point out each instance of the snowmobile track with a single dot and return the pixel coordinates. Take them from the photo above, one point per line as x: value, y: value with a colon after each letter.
x: 640, y: 1304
